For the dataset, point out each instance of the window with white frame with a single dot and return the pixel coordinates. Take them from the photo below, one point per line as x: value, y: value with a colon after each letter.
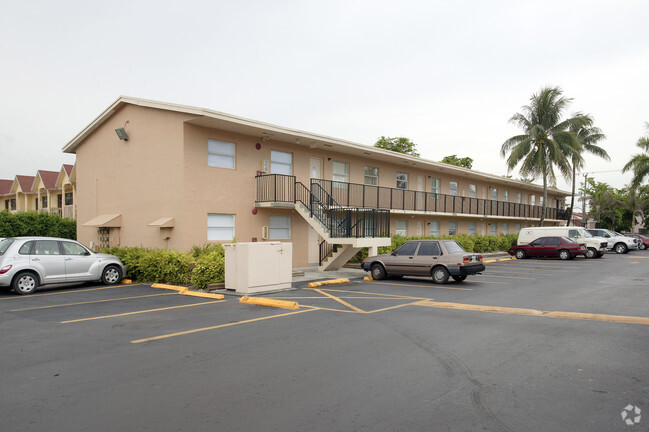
x: 494, y: 194
x: 494, y: 228
x: 518, y: 197
x: 340, y: 171
x: 402, y: 180
x: 452, y: 188
x: 541, y: 200
x: 435, y: 186
x: 434, y: 228
x: 473, y: 191
x: 505, y: 228
x: 506, y: 196
x: 452, y: 228
x: 471, y: 228
x: 371, y: 176
x: 281, y: 162
x: 401, y: 228
x: 220, y: 226
x: 279, y: 227
x: 220, y: 154
x: 532, y: 200
x: 518, y: 228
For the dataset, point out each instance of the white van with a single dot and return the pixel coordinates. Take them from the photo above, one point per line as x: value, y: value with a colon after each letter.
x: 596, y: 245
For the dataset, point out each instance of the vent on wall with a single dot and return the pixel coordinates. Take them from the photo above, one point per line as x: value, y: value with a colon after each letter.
x: 264, y: 232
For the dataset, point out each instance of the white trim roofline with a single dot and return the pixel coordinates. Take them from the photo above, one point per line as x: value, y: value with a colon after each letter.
x: 254, y: 127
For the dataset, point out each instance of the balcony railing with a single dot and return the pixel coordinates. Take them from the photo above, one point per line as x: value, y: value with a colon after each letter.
x: 280, y: 188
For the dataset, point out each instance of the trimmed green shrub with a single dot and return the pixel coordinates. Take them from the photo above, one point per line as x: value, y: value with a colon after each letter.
x: 36, y: 224
x: 210, y: 268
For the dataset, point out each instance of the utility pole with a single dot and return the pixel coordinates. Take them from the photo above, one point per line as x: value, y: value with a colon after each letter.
x: 583, y: 196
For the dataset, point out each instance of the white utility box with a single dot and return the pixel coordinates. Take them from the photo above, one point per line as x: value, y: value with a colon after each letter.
x: 258, y: 266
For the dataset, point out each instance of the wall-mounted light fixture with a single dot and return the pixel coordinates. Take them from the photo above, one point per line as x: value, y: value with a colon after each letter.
x: 121, y: 132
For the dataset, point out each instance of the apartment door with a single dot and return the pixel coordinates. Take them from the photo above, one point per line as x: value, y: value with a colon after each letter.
x: 315, y: 168
x: 421, y: 196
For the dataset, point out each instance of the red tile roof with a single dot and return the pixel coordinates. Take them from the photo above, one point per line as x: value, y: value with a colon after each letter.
x: 25, y: 182
x: 68, y: 169
x: 49, y: 178
x: 5, y: 186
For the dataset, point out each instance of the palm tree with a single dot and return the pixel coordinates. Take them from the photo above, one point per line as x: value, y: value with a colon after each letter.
x: 639, y: 163
x: 588, y: 136
x: 546, y: 141
x: 638, y: 200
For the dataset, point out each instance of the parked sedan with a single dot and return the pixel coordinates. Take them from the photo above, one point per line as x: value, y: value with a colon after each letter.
x: 28, y: 262
x: 561, y: 247
x: 644, y: 241
x: 439, y: 259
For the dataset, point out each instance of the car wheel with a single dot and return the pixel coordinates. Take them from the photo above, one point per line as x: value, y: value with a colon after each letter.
x: 25, y: 283
x: 621, y: 248
x: 591, y: 253
x: 564, y: 254
x: 519, y: 254
x: 440, y: 275
x: 111, y: 275
x: 642, y: 246
x: 459, y: 278
x: 378, y: 272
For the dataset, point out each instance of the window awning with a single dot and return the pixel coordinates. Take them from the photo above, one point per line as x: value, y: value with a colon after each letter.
x: 165, y: 222
x: 105, y: 221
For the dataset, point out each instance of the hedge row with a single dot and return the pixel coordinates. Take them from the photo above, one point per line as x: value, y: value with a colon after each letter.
x: 202, y: 266
x: 36, y: 224
x: 471, y: 243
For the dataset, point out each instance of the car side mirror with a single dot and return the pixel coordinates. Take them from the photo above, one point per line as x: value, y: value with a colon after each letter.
x: 393, y: 254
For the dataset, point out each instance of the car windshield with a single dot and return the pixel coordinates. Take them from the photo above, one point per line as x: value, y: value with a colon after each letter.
x: 586, y: 234
x: 452, y: 246
x: 4, y: 245
x: 567, y: 240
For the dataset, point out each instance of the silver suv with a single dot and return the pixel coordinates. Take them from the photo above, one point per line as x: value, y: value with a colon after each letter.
x: 27, y: 262
x: 439, y: 259
x: 619, y: 243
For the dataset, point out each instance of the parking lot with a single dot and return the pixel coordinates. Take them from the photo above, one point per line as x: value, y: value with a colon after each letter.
x: 527, y: 345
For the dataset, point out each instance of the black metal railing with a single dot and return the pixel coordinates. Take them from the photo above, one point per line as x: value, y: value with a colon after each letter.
x: 378, y: 197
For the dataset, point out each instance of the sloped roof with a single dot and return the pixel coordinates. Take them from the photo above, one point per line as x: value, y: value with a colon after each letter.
x: 5, y: 186
x: 48, y: 178
x: 228, y: 122
x: 24, y: 182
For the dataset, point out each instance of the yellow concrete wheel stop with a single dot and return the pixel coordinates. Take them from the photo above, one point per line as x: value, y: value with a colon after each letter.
x: 269, y: 302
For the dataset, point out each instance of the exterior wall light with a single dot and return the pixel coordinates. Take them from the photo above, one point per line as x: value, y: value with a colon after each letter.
x: 121, y: 134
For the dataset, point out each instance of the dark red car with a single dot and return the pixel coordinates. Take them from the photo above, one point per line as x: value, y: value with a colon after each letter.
x: 645, y: 240
x: 561, y: 247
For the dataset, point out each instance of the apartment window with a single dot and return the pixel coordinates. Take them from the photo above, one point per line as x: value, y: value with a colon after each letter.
x: 68, y: 198
x: 220, y: 154
x: 435, y: 186
x: 532, y: 200
x: 59, y: 200
x: 371, y: 176
x: 541, y: 201
x: 505, y: 228
x: 452, y: 188
x: 6, y: 204
x: 506, y: 196
x: 220, y: 226
x: 401, y: 228
x: 13, y: 203
x: 494, y: 228
x: 434, y: 228
x: 402, y: 180
x: 452, y: 228
x: 44, y: 202
x: 472, y: 191
x: 518, y: 197
x: 281, y: 162
x: 518, y: 228
x: 494, y: 194
x: 471, y: 228
x: 340, y: 172
x: 279, y: 227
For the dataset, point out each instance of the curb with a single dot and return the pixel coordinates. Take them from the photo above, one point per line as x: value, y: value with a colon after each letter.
x: 328, y: 282
x: 185, y: 291
x: 126, y: 281
x: 269, y: 302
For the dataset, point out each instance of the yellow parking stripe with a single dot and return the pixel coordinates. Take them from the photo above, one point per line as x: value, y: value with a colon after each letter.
x: 508, y: 277
x: 90, y: 302
x: 142, y: 311
x: 533, y: 312
x: 220, y: 326
x: 343, y: 302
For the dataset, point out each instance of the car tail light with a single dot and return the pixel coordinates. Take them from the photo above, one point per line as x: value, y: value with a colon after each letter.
x: 466, y: 259
x: 5, y: 269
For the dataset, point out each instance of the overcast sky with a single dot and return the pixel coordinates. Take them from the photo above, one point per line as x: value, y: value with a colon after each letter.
x: 446, y: 74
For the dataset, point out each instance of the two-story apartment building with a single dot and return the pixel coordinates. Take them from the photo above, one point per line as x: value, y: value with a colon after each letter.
x: 157, y: 174
x: 48, y: 191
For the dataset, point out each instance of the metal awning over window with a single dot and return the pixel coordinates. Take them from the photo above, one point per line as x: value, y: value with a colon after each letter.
x: 105, y: 221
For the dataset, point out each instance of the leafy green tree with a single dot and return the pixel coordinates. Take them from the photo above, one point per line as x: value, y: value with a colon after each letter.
x: 397, y: 144
x: 607, y: 205
x: 546, y: 140
x: 465, y: 162
x: 638, y: 205
x: 639, y: 163
x: 588, y: 137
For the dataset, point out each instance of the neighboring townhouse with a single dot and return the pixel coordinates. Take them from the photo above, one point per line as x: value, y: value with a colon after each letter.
x: 48, y: 191
x: 156, y: 174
